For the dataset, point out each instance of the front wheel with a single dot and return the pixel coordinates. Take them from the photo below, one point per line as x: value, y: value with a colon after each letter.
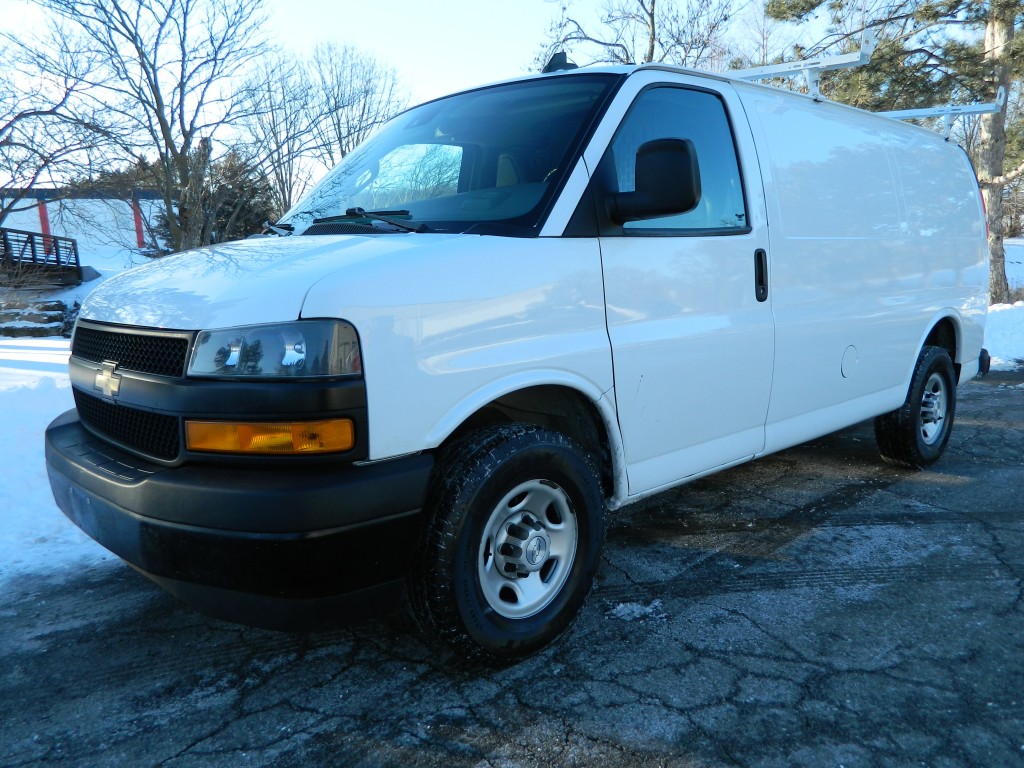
x: 916, y: 434
x: 512, y: 541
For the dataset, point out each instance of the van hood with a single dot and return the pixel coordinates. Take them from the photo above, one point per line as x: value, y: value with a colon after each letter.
x: 262, y: 280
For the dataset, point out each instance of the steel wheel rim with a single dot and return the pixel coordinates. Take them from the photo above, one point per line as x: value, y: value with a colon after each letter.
x: 532, y: 530
x: 934, y: 405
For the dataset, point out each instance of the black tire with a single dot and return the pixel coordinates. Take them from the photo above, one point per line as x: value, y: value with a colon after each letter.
x: 497, y: 489
x: 915, y: 435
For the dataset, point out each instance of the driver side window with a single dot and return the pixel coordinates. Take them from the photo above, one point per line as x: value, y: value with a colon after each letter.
x: 680, y: 113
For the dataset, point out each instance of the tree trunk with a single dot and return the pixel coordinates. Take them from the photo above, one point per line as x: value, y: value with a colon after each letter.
x: 652, y: 32
x: 998, y: 34
x: 191, y: 213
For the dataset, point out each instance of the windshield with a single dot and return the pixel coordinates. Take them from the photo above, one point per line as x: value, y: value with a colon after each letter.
x: 494, y: 155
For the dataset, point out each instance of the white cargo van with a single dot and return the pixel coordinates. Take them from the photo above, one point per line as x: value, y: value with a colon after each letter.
x: 511, y: 310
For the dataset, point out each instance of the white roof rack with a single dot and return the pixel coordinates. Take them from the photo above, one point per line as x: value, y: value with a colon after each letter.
x: 811, y: 69
x: 951, y: 111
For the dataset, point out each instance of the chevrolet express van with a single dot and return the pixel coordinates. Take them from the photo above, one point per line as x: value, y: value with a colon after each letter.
x: 510, y: 311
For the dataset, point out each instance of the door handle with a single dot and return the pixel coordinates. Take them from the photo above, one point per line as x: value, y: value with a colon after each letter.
x: 761, y: 274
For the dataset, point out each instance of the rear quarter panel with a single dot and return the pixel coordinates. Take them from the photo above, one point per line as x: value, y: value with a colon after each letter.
x: 876, y: 233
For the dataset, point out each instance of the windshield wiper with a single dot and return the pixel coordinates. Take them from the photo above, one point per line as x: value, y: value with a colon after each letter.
x: 385, y: 216
x: 283, y: 230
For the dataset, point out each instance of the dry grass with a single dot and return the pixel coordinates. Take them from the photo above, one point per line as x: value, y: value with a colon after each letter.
x: 13, y: 280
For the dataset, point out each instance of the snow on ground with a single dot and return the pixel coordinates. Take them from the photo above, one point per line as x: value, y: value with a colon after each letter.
x: 1004, y: 328
x: 36, y: 537
x: 1014, y: 260
x: 34, y: 534
x: 34, y: 389
x: 1004, y: 335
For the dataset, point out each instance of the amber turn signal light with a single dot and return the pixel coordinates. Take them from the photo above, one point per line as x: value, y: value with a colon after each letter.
x: 271, y: 438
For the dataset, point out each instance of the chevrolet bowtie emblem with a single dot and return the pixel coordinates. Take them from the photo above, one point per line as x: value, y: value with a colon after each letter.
x: 107, y: 381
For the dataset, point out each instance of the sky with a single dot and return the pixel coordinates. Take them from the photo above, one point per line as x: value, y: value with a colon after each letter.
x: 436, y: 48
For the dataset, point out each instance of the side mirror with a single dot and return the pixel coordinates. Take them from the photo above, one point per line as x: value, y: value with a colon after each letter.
x: 667, y: 182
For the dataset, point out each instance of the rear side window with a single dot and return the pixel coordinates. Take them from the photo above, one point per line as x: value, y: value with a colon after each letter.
x: 680, y: 113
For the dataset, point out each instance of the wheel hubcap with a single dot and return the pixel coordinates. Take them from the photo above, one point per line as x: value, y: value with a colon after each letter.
x: 933, y: 409
x: 522, y: 546
x: 528, y: 549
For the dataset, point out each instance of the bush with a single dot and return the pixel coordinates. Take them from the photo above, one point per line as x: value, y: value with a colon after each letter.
x: 70, y: 315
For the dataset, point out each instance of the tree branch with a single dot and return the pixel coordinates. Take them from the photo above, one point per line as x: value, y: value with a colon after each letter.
x: 1006, y: 178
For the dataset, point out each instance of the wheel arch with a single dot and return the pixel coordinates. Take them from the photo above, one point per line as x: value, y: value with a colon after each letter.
x: 588, y: 420
x: 946, y: 332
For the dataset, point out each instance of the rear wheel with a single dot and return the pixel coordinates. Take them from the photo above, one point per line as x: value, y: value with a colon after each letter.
x: 512, y: 541
x: 915, y: 435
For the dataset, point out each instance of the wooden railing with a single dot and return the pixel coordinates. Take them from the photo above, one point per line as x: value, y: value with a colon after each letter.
x: 35, y: 257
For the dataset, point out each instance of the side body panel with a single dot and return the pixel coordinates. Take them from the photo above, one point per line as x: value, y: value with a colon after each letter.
x: 876, y: 234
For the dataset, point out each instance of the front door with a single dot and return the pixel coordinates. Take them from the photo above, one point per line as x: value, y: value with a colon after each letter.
x: 691, y: 331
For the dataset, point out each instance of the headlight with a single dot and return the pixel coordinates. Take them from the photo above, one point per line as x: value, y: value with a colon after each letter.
x: 301, y: 349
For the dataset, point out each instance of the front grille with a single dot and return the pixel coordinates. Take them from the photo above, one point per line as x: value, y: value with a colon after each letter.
x: 153, y: 434
x: 162, y: 355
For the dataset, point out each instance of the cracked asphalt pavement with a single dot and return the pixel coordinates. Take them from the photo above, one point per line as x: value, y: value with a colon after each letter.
x: 814, y: 608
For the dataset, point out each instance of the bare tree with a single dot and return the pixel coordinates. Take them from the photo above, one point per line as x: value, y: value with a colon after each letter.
x: 688, y: 34
x: 278, y: 129
x: 355, y: 93
x: 762, y: 40
x: 306, y: 115
x: 47, y: 132
x: 168, y: 70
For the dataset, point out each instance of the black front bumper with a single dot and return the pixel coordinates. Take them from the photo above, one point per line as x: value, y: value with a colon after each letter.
x: 283, y: 533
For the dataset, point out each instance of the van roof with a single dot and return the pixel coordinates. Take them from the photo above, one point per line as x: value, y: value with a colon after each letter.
x: 627, y: 70
x: 728, y: 77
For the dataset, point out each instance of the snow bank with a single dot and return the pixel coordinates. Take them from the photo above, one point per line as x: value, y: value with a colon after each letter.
x: 34, y: 535
x: 1004, y: 328
x: 1014, y: 256
x: 32, y: 363
x: 1004, y: 335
